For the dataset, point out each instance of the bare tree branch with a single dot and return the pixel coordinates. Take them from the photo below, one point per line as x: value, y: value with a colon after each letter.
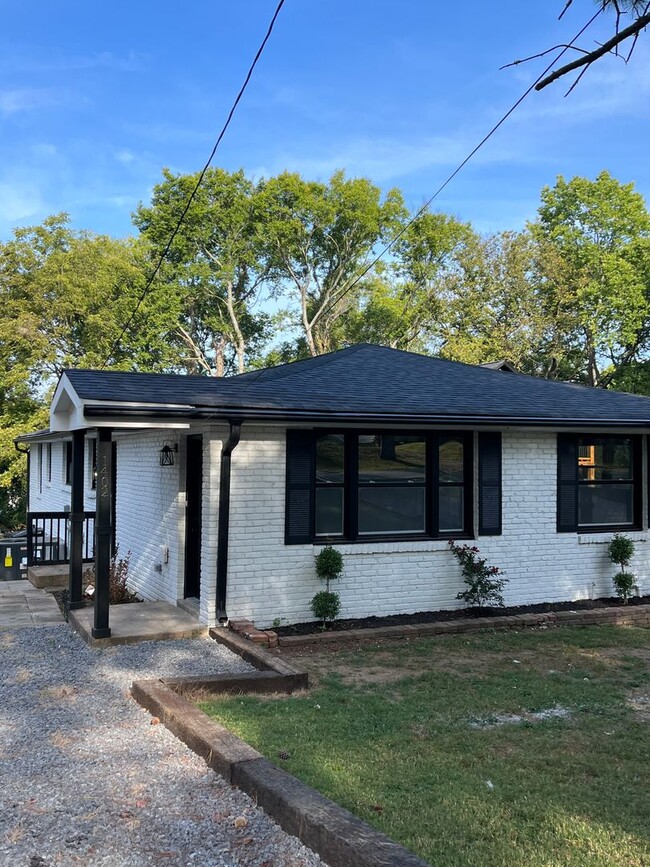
x: 632, y: 30
x: 566, y: 9
x: 542, y: 53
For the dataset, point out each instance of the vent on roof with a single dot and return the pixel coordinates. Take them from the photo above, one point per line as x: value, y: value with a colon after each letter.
x: 500, y: 365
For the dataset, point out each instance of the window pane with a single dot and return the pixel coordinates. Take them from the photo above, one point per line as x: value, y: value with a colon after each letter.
x: 450, y: 452
x: 605, y: 504
x: 330, y: 458
x: 391, y: 510
x: 450, y: 503
x: 393, y: 458
x: 329, y: 511
x: 604, y: 458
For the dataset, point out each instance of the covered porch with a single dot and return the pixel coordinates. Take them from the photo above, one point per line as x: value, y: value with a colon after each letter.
x: 63, y: 544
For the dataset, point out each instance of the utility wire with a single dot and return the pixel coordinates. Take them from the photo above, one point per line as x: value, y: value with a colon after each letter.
x: 199, y: 181
x: 458, y: 168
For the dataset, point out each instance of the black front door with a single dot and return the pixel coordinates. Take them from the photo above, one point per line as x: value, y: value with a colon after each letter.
x: 194, y: 493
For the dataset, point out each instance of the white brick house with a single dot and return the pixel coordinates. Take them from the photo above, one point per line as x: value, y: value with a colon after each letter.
x: 384, y: 454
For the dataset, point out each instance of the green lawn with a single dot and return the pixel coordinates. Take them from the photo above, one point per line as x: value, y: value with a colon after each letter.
x: 407, y: 736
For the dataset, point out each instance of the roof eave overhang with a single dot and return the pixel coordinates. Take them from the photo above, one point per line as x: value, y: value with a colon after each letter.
x: 148, y: 414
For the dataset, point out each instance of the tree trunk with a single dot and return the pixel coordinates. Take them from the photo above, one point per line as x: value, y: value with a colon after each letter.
x: 219, y: 353
x: 307, y: 325
x: 240, y: 343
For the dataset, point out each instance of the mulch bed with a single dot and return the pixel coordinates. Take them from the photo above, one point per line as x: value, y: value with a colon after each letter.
x: 446, y: 614
x: 61, y: 597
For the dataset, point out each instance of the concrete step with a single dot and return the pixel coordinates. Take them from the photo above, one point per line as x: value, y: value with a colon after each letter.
x: 49, y: 577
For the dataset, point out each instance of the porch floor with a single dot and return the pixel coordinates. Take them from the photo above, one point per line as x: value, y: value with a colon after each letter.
x: 139, y: 621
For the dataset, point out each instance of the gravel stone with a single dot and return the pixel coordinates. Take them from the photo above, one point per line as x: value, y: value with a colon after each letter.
x: 86, y: 779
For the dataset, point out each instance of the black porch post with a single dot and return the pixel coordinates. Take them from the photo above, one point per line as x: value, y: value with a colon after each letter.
x: 75, y: 552
x: 103, y: 517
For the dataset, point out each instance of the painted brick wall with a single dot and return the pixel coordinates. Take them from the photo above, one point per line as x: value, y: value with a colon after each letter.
x: 149, y: 509
x: 268, y: 579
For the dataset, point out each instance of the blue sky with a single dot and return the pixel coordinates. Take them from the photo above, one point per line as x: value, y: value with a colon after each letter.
x: 96, y: 98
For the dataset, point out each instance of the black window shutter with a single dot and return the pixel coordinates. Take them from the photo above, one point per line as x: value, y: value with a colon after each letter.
x: 489, y: 484
x: 299, y: 494
x: 567, y: 483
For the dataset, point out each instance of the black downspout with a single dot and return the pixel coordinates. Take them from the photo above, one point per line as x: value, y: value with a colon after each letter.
x: 224, y: 519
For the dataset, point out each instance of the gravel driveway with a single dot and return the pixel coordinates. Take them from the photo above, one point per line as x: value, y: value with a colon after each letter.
x: 86, y: 779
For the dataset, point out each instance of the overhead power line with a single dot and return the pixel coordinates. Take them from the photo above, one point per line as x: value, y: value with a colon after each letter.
x: 163, y: 255
x: 458, y: 168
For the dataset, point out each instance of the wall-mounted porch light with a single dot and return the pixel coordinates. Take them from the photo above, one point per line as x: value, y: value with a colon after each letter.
x: 167, y: 454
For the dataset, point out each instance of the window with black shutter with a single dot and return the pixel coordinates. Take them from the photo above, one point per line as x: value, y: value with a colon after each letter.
x: 299, y: 487
x: 599, y: 482
x: 489, y: 484
x: 380, y: 485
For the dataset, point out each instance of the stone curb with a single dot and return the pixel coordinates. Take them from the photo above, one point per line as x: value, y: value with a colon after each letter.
x: 637, y: 615
x: 339, y: 837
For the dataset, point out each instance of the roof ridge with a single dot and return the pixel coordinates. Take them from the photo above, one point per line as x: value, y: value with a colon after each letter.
x: 280, y: 371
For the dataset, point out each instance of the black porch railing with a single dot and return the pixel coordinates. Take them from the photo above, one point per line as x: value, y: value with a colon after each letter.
x: 48, y: 537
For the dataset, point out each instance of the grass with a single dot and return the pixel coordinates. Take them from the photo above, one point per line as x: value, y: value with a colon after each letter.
x: 405, y: 735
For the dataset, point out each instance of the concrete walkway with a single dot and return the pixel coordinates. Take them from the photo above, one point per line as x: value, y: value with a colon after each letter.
x: 21, y: 604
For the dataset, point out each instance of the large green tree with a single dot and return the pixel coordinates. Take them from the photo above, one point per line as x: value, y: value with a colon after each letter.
x: 65, y: 298
x: 318, y: 237
x: 406, y: 302
x: 592, y: 265
x: 216, y: 267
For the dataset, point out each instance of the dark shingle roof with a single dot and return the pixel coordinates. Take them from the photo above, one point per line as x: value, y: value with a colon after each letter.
x: 372, y: 380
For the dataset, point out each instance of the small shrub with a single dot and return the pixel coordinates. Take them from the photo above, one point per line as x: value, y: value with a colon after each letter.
x: 483, y: 585
x: 621, y: 551
x: 119, y: 593
x: 329, y: 564
x: 625, y: 584
x: 326, y: 606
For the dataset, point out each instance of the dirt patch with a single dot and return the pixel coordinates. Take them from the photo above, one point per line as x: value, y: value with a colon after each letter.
x: 505, y: 719
x: 60, y: 693
x: 371, y: 661
x: 639, y: 701
x: 61, y: 740
x: 390, y: 667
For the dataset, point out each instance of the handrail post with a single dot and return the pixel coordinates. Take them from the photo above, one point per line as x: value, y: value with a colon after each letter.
x: 103, y: 517
x: 76, y: 520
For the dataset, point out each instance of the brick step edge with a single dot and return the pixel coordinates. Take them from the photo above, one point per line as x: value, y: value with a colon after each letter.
x: 247, y: 629
x: 637, y: 615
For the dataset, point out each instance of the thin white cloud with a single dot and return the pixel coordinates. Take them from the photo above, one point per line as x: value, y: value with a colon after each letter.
x: 125, y: 156
x: 388, y: 159
x: 28, y: 60
x: 23, y: 99
x: 19, y: 200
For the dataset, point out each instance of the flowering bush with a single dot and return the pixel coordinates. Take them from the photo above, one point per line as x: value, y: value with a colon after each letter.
x: 483, y: 585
